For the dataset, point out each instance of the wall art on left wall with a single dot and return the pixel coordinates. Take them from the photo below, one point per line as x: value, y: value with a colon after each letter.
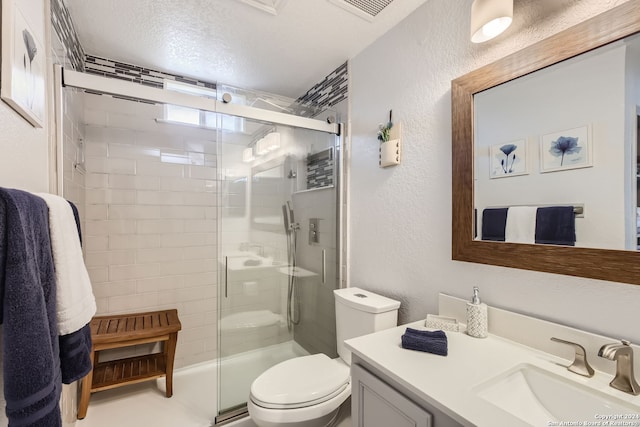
x: 24, y: 58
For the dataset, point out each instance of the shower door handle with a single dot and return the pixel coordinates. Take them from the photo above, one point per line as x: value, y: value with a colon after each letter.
x: 324, y: 266
x: 226, y: 277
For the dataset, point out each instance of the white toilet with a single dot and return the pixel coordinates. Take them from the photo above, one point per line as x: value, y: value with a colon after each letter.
x: 308, y: 391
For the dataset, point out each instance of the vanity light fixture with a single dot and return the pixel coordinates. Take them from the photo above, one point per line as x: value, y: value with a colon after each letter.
x: 247, y: 155
x: 261, y: 147
x: 490, y: 18
x: 272, y: 141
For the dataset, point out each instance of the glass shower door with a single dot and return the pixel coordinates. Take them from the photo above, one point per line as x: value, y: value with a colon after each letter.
x: 277, y: 239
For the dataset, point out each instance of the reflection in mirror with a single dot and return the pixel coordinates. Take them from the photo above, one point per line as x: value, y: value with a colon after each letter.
x: 234, y: 193
x: 551, y: 171
x: 562, y: 137
x: 270, y: 188
x: 274, y: 181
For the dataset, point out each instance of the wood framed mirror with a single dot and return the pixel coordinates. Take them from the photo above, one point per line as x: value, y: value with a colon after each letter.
x: 605, y: 264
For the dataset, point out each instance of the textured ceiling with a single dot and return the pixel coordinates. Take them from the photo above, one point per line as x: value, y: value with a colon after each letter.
x: 229, y: 41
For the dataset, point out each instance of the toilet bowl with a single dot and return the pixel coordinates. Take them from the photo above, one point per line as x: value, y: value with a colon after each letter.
x: 308, y: 391
x: 303, y: 392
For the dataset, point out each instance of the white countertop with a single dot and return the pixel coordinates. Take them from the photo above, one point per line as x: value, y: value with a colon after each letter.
x: 448, y: 382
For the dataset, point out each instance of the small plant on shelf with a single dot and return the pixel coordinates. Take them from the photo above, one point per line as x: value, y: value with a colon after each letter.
x: 384, y: 131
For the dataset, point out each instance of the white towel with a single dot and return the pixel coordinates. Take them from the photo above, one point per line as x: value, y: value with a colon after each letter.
x: 521, y: 224
x: 75, y: 303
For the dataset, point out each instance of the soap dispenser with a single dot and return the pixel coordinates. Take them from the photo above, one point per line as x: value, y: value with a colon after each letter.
x: 477, y: 319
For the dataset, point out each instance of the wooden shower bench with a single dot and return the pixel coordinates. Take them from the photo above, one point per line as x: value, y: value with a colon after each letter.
x: 116, y: 331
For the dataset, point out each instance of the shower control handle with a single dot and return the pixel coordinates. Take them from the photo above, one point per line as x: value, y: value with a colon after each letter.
x: 314, y: 224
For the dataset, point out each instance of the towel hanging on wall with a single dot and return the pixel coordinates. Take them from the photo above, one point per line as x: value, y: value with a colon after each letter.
x: 494, y: 221
x: 521, y: 224
x: 556, y: 225
x: 31, y: 365
x: 76, y: 304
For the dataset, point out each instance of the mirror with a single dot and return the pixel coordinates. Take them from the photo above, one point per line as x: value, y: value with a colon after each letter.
x: 592, y: 262
x: 563, y: 136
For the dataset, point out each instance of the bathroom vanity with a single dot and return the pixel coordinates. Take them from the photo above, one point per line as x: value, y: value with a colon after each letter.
x: 516, y: 376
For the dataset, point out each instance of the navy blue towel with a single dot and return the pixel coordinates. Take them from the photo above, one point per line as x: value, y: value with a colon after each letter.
x: 75, y: 348
x: 556, y: 225
x: 494, y: 222
x: 31, y: 362
x: 432, y: 342
x: 75, y: 355
x: 76, y: 217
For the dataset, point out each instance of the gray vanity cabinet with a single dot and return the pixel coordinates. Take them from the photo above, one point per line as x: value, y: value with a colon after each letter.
x: 376, y: 402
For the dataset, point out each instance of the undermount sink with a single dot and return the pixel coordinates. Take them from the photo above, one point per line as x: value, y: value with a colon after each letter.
x: 537, y: 397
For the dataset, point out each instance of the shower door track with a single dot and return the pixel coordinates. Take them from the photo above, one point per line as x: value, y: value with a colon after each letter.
x: 129, y: 90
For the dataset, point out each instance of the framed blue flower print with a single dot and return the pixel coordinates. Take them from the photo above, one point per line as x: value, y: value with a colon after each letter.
x: 509, y: 159
x: 568, y: 149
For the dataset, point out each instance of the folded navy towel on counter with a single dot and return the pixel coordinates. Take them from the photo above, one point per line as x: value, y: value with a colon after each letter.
x: 429, y: 341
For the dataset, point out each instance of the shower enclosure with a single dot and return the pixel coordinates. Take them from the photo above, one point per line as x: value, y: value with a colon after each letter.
x: 278, y: 263
x: 223, y: 204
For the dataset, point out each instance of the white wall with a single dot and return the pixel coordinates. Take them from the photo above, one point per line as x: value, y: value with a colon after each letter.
x: 23, y: 153
x: 585, y: 91
x: 400, y: 217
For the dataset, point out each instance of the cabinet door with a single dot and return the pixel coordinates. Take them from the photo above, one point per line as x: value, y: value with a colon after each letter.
x: 377, y: 404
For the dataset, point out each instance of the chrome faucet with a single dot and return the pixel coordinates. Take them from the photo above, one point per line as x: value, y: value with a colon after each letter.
x: 623, y: 355
x: 580, y: 364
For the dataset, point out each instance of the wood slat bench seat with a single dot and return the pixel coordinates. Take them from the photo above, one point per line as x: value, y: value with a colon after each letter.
x: 116, y: 331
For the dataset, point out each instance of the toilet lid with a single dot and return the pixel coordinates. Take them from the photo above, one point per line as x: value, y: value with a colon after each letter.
x: 299, y: 382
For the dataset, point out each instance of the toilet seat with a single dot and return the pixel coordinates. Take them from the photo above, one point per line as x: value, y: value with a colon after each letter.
x: 301, y: 382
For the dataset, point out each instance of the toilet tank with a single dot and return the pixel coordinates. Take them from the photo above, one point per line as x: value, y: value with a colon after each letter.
x: 360, y: 312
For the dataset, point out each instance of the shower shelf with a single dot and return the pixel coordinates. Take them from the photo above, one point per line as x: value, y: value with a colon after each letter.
x: 326, y: 187
x: 297, y: 272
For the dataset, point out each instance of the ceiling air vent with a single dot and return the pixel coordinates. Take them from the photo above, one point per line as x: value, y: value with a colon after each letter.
x: 367, y: 9
x: 269, y: 6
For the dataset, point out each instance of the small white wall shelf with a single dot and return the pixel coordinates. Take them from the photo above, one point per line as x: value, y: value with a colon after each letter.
x: 391, y: 151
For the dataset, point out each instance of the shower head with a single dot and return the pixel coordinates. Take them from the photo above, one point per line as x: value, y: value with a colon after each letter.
x: 291, y: 219
x: 287, y: 220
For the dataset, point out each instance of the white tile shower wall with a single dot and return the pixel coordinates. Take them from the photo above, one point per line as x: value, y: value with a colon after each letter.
x: 151, y: 234
x: 73, y: 173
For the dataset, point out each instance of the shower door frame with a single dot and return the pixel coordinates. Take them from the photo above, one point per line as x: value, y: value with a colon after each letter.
x: 132, y: 90
x: 135, y: 91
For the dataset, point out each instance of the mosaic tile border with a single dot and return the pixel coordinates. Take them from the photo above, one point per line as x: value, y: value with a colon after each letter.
x: 136, y: 74
x: 330, y: 91
x: 64, y: 29
x: 320, y: 169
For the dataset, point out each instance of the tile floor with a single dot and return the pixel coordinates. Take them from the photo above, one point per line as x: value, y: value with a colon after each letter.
x: 145, y: 405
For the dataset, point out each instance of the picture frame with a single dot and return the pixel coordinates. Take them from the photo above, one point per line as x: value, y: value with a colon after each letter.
x: 24, y: 57
x: 567, y: 149
x: 509, y: 159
